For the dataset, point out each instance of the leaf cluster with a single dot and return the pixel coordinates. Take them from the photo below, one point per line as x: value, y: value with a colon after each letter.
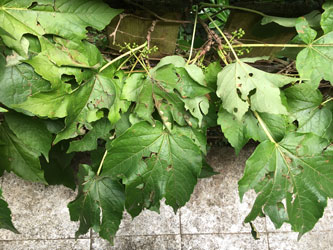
x: 144, y: 134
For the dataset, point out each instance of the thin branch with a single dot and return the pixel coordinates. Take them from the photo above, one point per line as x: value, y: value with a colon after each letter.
x: 193, y: 34
x: 102, y: 162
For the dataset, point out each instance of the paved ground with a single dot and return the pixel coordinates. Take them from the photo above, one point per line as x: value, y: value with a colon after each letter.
x: 211, y: 220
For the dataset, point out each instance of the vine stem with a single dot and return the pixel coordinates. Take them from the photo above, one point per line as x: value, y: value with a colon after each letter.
x: 224, y: 36
x: 263, y: 125
x: 328, y: 100
x: 211, y: 5
x: 122, y: 56
x: 278, y: 45
x: 102, y: 162
x: 193, y: 34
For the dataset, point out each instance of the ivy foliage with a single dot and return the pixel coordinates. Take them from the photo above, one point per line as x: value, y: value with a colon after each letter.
x: 144, y: 134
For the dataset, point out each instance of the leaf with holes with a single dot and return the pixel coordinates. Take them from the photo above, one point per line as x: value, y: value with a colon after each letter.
x: 65, y: 18
x: 241, y: 87
x: 297, y: 171
x: 98, y: 205
x: 82, y: 105
x: 305, y: 106
x: 153, y: 163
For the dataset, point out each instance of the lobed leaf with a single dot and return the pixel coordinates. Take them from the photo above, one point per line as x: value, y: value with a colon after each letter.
x: 240, y: 85
x: 153, y: 163
x: 297, y: 171
x: 67, y: 19
x: 98, y: 205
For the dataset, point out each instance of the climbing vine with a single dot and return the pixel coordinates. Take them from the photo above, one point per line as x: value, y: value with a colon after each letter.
x: 139, y: 129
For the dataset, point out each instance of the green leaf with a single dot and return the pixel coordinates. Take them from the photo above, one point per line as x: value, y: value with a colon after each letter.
x: 18, y: 157
x: 233, y: 129
x: 30, y: 131
x: 238, y: 84
x: 82, y: 105
x: 153, y: 163
x: 98, y: 197
x: 239, y: 133
x: 299, y: 171
x: 305, y: 32
x: 19, y: 82
x: 149, y: 94
x: 327, y: 17
x: 67, y: 19
x: 305, y: 106
x: 315, y: 62
x: 65, y: 58
x: 211, y: 74
x: 313, y: 18
x: 101, y: 129
x: 5, y: 216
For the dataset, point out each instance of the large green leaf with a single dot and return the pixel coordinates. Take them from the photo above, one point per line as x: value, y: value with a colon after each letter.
x: 298, y: 171
x: 19, y: 82
x: 82, y: 105
x: 315, y: 62
x: 305, y: 106
x: 240, y: 85
x: 5, y: 215
x: 19, y: 157
x: 31, y: 132
x: 98, y: 197
x: 154, y: 163
x: 65, y: 18
x: 65, y: 58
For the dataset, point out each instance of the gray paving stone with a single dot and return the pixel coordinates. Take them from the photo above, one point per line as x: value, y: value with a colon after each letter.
x: 81, y: 244
x: 224, y: 242
x: 161, y: 242
x: 215, y: 206
x: 309, y: 241
x: 38, y: 212
x: 151, y: 223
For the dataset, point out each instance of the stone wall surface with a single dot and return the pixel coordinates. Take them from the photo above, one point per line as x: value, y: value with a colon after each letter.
x: 212, y: 219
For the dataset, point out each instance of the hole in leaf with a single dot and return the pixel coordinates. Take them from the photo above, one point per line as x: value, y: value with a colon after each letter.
x: 235, y: 110
x: 250, y: 74
x: 239, y: 93
x: 33, y: 5
x: 252, y: 92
